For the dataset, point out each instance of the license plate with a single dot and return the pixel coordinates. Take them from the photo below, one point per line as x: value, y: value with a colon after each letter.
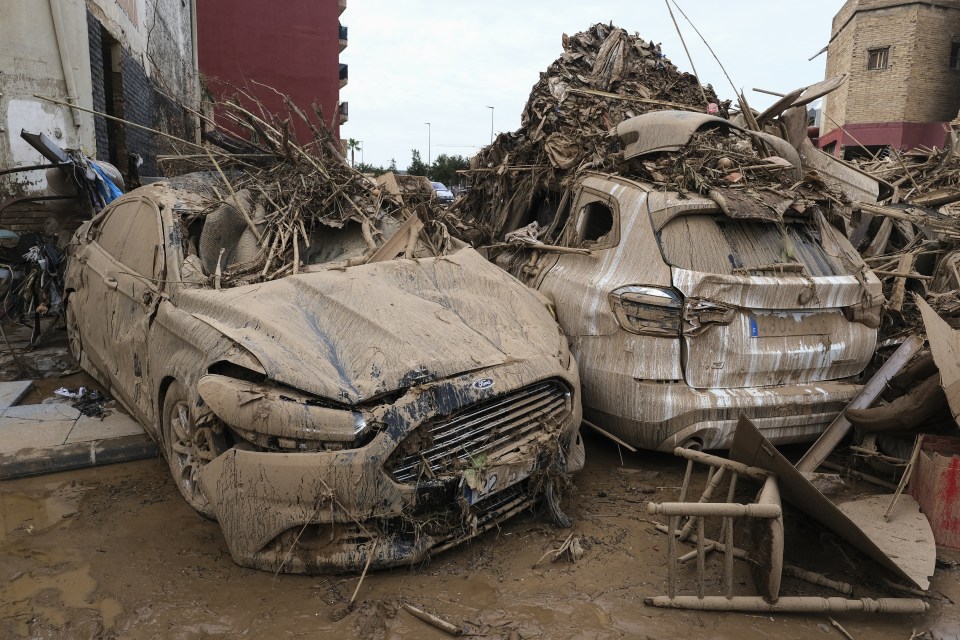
x: 770, y: 325
x: 480, y: 483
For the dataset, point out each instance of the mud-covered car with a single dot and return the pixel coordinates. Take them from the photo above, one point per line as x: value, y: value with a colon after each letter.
x: 345, y: 416
x: 686, y: 312
x: 444, y: 195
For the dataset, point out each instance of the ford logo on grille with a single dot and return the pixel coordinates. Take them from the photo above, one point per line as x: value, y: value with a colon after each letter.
x: 482, y: 383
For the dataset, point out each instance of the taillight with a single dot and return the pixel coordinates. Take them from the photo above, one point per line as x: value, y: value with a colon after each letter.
x: 654, y: 311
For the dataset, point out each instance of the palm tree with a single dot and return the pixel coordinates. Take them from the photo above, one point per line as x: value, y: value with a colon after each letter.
x: 353, y: 144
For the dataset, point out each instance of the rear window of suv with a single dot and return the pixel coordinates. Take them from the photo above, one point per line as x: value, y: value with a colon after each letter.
x: 747, y: 247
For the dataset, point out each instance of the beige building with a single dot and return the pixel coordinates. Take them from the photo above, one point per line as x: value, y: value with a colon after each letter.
x: 903, y: 61
x: 134, y: 59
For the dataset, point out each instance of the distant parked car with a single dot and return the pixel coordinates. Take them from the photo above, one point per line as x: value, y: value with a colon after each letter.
x: 394, y: 408
x: 444, y: 194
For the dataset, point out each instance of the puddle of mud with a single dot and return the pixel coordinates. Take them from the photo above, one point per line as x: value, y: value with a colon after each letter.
x: 52, y: 597
x: 42, y: 584
x: 24, y: 514
x: 43, y: 388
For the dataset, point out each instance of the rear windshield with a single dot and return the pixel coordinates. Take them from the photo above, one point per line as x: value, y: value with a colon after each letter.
x: 722, y: 245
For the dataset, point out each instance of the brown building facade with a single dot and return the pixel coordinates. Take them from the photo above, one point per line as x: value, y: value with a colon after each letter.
x: 292, y: 47
x: 903, y: 61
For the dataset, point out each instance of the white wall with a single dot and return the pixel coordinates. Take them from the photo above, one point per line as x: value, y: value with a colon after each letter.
x: 30, y: 64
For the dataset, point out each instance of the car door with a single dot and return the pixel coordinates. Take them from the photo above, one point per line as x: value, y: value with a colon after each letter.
x: 124, y: 260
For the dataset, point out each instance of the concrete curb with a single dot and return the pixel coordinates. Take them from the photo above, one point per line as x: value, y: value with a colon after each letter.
x: 80, y: 455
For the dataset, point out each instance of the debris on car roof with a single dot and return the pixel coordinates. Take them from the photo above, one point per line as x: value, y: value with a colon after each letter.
x: 613, y: 107
x: 604, y: 77
x: 266, y: 214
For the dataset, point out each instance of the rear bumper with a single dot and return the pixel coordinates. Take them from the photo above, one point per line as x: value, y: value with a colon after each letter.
x: 662, y: 416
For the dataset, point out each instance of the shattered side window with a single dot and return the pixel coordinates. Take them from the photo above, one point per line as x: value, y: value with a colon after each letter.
x: 596, y: 224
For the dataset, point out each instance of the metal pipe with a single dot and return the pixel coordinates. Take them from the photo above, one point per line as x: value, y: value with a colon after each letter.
x: 839, y: 428
x: 790, y: 604
x: 906, y: 476
x: 429, y: 149
x: 195, y: 61
x: 68, y: 77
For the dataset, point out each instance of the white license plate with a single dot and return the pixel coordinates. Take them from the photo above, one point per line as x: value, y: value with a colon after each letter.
x: 479, y: 483
x: 769, y: 325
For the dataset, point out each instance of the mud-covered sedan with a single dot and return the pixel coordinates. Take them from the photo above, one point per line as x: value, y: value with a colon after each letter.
x: 345, y: 416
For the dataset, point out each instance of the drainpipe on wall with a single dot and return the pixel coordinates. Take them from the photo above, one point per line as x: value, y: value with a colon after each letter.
x: 197, y: 95
x: 68, y: 76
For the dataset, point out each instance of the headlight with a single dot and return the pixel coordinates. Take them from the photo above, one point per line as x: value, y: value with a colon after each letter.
x: 281, y: 418
x: 654, y: 311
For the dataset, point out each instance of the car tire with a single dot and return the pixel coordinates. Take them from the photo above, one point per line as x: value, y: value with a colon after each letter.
x: 188, y: 448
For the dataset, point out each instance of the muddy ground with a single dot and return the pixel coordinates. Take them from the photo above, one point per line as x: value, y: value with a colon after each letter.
x: 114, y: 552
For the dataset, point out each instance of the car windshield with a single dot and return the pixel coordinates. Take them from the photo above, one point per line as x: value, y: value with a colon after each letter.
x: 439, y: 186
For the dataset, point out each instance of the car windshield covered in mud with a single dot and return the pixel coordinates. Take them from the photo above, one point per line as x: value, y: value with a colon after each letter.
x: 686, y: 311
x: 371, y: 401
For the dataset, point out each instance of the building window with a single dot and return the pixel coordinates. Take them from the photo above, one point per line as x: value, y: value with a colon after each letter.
x: 878, y: 58
x: 955, y: 55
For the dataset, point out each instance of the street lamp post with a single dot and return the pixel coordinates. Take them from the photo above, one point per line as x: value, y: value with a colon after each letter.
x: 491, y: 123
x: 428, y: 147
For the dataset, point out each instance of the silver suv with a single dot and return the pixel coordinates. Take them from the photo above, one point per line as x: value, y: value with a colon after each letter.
x: 684, y: 317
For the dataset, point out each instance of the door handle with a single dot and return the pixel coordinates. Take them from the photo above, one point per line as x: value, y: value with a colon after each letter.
x: 112, y: 283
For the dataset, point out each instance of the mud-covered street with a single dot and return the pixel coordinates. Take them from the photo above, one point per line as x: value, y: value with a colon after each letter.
x: 114, y: 552
x: 657, y: 357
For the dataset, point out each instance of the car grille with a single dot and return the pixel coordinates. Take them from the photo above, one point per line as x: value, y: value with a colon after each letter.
x: 484, y: 428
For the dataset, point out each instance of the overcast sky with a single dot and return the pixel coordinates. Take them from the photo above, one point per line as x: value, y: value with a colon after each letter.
x: 418, y: 61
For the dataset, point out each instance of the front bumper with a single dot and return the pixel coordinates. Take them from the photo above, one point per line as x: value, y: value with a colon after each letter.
x: 344, y: 510
x: 663, y: 416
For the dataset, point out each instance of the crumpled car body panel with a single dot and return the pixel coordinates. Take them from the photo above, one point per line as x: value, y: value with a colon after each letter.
x: 398, y: 350
x: 349, y: 509
x: 366, y: 330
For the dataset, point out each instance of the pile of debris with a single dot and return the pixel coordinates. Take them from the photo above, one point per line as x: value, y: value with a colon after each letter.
x: 268, y: 203
x: 604, y: 77
x: 760, y: 166
x: 923, y: 176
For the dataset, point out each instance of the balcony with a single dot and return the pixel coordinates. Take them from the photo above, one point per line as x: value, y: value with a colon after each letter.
x: 342, y: 4
x: 343, y: 110
x: 343, y: 75
x: 343, y: 37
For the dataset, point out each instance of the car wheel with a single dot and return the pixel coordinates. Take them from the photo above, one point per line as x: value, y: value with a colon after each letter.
x: 73, y: 330
x: 188, y: 448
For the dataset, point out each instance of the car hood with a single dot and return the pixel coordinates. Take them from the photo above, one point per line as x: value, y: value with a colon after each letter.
x: 350, y: 335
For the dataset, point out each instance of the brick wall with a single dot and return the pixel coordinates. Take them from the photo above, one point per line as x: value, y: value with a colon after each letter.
x: 138, y: 108
x: 933, y: 87
x: 917, y: 85
x: 99, y: 94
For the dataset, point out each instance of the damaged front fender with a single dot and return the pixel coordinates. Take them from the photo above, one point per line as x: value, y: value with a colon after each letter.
x: 293, y: 419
